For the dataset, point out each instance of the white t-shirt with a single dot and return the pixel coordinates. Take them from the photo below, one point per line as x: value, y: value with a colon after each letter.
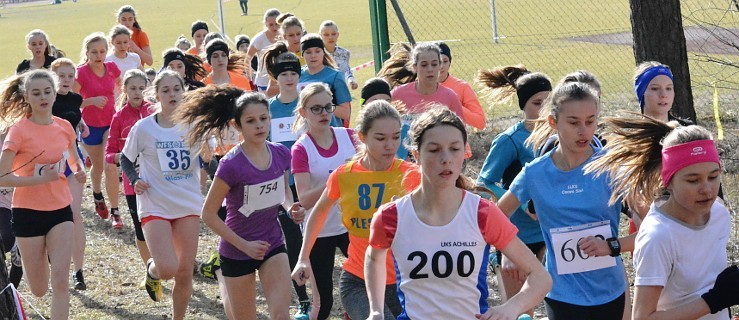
x: 169, y: 166
x: 261, y: 43
x: 681, y: 258
x: 131, y: 61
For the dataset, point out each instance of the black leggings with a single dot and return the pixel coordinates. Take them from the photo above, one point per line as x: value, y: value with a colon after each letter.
x: 133, y: 210
x: 558, y: 310
x: 322, y: 261
x: 293, y: 242
x: 8, y: 240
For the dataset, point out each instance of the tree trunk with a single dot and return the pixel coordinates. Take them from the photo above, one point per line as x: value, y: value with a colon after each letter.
x: 658, y: 35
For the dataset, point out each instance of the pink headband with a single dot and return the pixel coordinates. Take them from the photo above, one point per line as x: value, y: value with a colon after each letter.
x: 680, y: 156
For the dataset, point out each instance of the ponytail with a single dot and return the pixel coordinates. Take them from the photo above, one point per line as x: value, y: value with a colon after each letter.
x: 395, y: 69
x: 269, y: 58
x: 208, y: 110
x: 500, y: 83
x: 634, y: 157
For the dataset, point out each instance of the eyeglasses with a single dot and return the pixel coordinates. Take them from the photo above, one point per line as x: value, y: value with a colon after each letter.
x: 329, y: 108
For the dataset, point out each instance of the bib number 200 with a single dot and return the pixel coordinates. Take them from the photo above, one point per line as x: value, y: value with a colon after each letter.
x: 464, y: 266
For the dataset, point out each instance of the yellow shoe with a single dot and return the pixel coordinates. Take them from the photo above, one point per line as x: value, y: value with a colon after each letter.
x: 153, y: 286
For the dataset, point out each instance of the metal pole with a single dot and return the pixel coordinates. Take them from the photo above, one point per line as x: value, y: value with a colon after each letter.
x: 495, y: 21
x: 220, y: 16
x: 380, y: 38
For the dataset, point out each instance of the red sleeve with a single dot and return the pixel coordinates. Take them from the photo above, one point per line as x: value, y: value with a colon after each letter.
x: 471, y: 107
x: 384, y: 224
x: 113, y: 69
x: 495, y: 227
x: 332, y: 185
x: 114, y: 138
x: 299, y: 159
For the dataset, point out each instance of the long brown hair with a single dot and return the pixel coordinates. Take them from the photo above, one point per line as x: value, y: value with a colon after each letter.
x: 13, y: 104
x: 633, y: 157
x: 209, y: 110
x: 438, y: 115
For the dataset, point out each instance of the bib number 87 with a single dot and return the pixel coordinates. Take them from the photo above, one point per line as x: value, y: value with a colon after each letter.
x: 364, y: 191
x: 465, y: 264
x: 569, y: 254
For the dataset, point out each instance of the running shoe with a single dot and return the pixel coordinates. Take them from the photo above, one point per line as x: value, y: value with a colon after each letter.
x: 88, y: 162
x: 79, y: 280
x: 15, y: 256
x: 117, y: 222
x: 303, y: 311
x: 493, y: 262
x: 101, y: 208
x: 153, y: 286
x: 208, y: 268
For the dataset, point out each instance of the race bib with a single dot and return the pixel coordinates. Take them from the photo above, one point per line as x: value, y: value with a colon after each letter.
x: 569, y: 257
x: 230, y: 136
x: 282, y: 129
x: 173, y: 156
x: 60, y: 166
x: 263, y: 195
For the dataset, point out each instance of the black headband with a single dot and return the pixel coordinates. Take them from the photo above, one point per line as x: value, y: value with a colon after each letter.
x: 172, y: 56
x: 214, y: 46
x: 281, y: 67
x: 373, y: 88
x: 197, y: 26
x: 242, y: 41
x: 445, y: 50
x: 529, y: 89
x: 311, y: 43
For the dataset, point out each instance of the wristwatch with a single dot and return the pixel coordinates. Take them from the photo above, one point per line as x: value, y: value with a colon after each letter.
x: 615, y: 246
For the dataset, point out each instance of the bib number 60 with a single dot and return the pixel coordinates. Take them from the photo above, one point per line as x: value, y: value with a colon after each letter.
x: 569, y: 254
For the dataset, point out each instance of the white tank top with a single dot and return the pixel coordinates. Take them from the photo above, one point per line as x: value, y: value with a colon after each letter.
x: 321, y: 167
x: 441, y: 261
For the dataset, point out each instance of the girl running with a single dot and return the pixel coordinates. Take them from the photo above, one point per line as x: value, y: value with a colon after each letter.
x: 677, y: 277
x: 573, y: 211
x: 199, y: 30
x: 508, y: 154
x: 120, y: 39
x: 372, y: 178
x: 41, y: 55
x: 329, y: 32
x: 253, y: 178
x: 140, y: 41
x: 217, y: 55
x: 36, y: 148
x: 96, y: 82
x: 285, y: 68
x: 15, y: 273
x: 134, y: 108
x: 188, y: 66
x: 259, y: 44
x: 424, y: 62
x: 67, y: 106
x: 291, y: 30
x: 167, y: 193
x: 315, y: 155
x: 467, y: 96
x: 319, y: 67
x: 440, y: 236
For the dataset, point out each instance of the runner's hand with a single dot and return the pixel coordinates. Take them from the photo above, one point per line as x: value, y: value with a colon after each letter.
x: 594, y: 247
x: 256, y: 249
x: 302, y: 272
x: 140, y: 187
x: 48, y: 173
x: 297, y: 213
x: 81, y: 176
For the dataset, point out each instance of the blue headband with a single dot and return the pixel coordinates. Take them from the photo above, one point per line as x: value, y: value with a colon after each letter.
x: 642, y: 82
